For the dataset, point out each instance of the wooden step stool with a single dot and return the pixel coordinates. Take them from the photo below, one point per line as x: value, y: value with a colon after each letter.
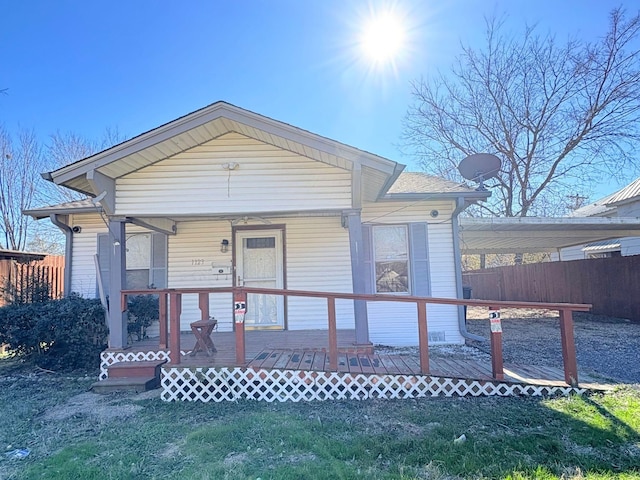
x: 202, y: 330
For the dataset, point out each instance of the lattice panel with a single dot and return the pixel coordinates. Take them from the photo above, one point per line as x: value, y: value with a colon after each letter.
x: 108, y: 358
x: 230, y: 384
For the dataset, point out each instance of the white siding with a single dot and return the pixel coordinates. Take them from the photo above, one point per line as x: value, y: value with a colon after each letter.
x: 630, y: 246
x: 83, y: 270
x: 317, y: 258
x: 85, y: 246
x: 572, y: 253
x: 267, y: 179
x: 396, y: 323
x: 192, y: 252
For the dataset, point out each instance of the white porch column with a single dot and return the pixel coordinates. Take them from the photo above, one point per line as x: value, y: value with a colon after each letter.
x: 358, y: 273
x: 117, y: 271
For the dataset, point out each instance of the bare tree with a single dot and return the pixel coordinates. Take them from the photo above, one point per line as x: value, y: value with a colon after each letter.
x: 21, y: 162
x: 65, y: 148
x: 561, y: 116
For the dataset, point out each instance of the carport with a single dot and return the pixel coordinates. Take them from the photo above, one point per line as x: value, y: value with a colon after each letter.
x: 539, y: 234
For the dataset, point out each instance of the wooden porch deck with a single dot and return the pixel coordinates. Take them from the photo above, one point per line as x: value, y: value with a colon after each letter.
x: 308, y: 350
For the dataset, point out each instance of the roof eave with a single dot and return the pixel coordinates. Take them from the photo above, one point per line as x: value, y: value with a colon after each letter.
x: 211, y: 113
x: 475, y: 196
x: 40, y: 213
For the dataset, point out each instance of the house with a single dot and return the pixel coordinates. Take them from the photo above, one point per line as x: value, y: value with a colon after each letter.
x: 625, y: 203
x: 224, y: 196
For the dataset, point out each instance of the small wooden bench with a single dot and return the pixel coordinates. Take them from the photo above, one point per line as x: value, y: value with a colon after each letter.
x: 202, y: 330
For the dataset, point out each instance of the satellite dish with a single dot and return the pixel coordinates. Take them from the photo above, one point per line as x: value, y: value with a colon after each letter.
x: 480, y: 167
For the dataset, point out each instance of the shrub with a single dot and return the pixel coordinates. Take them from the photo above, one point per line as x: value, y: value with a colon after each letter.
x: 142, y: 310
x: 63, y: 334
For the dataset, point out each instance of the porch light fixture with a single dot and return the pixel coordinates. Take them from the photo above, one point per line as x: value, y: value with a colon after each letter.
x: 224, y: 246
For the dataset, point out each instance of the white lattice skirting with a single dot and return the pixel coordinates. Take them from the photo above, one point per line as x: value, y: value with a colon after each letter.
x: 230, y: 384
x: 108, y: 358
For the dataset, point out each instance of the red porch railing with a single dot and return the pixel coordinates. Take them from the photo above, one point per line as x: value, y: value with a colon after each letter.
x: 171, y: 337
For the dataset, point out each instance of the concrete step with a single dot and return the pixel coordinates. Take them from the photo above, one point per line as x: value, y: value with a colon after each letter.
x: 126, y: 384
x: 146, y: 369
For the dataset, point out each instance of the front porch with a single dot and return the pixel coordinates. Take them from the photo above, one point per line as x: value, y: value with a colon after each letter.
x: 295, y: 366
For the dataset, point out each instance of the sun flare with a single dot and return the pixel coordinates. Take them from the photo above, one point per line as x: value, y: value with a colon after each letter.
x: 383, y: 38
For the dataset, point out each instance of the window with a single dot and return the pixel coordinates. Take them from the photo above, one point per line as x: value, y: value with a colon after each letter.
x: 138, y: 260
x: 391, y: 258
x: 146, y: 260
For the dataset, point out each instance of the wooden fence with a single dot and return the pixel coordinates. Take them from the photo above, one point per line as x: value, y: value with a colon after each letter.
x: 611, y: 285
x: 16, y: 277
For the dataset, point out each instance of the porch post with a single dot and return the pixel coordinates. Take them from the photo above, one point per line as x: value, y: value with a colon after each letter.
x: 358, y: 275
x: 117, y: 269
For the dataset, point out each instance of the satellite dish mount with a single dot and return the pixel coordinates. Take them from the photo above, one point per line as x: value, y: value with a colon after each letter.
x: 480, y: 167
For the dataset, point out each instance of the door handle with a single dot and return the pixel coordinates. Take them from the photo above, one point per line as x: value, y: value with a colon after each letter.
x: 239, y: 282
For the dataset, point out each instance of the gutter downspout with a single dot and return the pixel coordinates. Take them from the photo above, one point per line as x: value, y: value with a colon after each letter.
x: 68, y: 250
x: 460, y: 204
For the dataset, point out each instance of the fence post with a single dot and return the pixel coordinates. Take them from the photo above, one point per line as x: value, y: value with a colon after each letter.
x: 568, y: 347
x: 497, y: 366
x: 333, y: 334
x: 423, y: 337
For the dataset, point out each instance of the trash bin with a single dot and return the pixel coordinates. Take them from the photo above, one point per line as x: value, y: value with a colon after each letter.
x: 466, y: 294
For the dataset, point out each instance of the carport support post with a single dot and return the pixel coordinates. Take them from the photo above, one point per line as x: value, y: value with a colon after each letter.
x: 117, y: 282
x: 568, y: 348
x: 358, y: 273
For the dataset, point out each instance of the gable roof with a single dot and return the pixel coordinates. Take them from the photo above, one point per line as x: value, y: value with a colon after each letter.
x: 209, y: 123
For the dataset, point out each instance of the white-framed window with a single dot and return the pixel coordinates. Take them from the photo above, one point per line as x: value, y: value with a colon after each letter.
x: 146, y: 259
x: 138, y: 260
x: 391, y: 259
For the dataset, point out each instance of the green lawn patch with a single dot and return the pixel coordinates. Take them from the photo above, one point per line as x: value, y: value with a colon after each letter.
x: 75, y: 434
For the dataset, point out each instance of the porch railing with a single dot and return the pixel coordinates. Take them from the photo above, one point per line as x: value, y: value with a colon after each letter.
x: 170, y: 306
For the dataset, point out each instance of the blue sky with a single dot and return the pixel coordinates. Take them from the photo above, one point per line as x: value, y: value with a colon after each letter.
x: 83, y: 66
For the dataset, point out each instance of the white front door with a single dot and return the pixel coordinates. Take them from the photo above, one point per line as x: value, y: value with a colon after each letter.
x: 259, y: 264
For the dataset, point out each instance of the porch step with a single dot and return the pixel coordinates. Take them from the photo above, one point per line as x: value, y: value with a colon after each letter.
x: 143, y: 369
x: 130, y: 377
x: 126, y: 384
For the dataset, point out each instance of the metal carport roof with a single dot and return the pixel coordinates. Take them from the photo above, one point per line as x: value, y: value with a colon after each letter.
x: 538, y: 234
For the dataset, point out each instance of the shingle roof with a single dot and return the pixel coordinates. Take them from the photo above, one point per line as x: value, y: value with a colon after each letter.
x: 76, y: 206
x: 418, y: 182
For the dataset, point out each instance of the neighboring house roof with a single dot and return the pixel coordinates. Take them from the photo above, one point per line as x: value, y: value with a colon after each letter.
x: 6, y: 254
x: 91, y: 174
x: 606, y: 206
x: 535, y: 234
x: 629, y: 193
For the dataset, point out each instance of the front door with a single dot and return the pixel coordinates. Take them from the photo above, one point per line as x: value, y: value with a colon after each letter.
x: 259, y: 264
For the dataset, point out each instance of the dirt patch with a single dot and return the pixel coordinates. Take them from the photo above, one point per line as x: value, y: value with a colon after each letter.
x: 606, y: 347
x: 101, y: 407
